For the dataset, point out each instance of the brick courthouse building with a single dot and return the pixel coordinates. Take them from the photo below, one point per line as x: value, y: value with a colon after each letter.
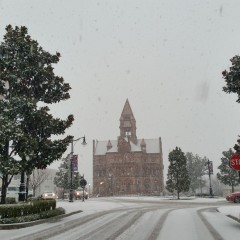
x: 127, y: 165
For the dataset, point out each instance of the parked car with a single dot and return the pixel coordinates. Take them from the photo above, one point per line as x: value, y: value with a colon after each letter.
x: 78, y: 194
x: 234, y: 197
x: 49, y: 195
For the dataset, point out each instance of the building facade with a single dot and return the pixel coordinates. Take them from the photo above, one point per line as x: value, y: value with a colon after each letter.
x: 128, y: 165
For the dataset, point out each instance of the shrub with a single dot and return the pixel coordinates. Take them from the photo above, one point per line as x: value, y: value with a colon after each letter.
x: 10, y: 200
x: 24, y: 209
x: 33, y: 217
x: 52, y: 213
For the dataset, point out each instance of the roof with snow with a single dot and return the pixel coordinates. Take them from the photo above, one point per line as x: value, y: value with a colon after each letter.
x: 152, y: 146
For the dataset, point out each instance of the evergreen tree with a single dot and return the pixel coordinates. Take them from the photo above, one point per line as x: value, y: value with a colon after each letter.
x: 232, y: 79
x: 227, y: 175
x: 62, y: 178
x: 27, y: 85
x: 197, y: 168
x: 177, y: 177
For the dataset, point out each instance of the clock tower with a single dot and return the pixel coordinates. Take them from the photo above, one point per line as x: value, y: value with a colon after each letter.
x: 128, y: 124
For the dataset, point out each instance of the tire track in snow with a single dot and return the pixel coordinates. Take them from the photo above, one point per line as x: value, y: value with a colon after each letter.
x: 158, y: 227
x: 113, y: 229
x: 117, y: 227
x: 210, y: 228
x: 61, y: 228
x: 108, y: 227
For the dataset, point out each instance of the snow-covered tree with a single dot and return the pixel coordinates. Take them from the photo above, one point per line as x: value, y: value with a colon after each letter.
x: 197, y: 168
x: 227, y: 175
x: 62, y: 179
x: 177, y: 177
x: 27, y: 85
x: 232, y: 79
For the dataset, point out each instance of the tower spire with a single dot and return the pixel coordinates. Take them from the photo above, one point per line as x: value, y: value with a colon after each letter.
x: 128, y: 123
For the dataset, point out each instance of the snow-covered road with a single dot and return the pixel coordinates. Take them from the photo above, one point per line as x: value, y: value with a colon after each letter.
x: 138, y: 218
x: 156, y: 222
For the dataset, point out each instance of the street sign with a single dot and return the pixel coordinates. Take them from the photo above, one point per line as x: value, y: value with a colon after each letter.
x: 83, y: 182
x: 235, y: 162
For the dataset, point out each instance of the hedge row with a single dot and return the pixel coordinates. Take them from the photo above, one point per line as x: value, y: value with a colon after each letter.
x: 24, y: 209
x: 33, y: 217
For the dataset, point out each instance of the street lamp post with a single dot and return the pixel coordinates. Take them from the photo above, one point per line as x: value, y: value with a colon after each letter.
x: 71, y: 166
x: 110, y: 178
x: 22, y: 188
x: 209, y: 163
x: 99, y: 189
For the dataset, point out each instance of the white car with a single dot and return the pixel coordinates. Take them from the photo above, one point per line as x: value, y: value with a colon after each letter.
x: 49, y: 195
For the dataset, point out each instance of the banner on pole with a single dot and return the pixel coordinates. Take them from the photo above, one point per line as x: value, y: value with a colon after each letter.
x: 75, y: 163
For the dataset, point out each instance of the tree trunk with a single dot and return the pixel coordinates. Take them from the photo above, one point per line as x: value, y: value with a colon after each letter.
x: 232, y: 188
x: 201, y: 185
x: 4, y: 189
x: 34, y: 191
x: 27, y: 186
x: 177, y: 188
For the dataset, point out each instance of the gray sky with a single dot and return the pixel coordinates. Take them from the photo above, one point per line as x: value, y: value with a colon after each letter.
x: 166, y: 57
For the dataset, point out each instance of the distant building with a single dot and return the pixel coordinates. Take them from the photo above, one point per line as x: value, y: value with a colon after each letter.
x: 128, y: 165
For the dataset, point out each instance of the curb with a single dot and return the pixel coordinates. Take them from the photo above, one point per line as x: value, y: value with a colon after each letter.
x: 234, y: 218
x: 29, y: 224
